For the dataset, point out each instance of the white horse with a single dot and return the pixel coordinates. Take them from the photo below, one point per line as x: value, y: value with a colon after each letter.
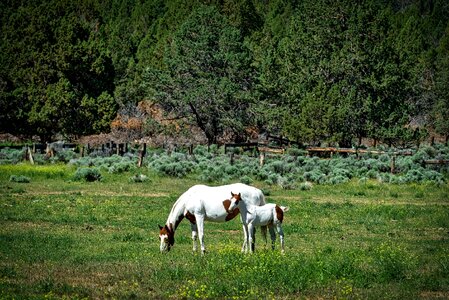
x: 269, y: 214
x: 204, y: 203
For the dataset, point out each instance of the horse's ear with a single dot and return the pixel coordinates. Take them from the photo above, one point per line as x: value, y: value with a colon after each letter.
x: 232, y: 194
x: 160, y: 227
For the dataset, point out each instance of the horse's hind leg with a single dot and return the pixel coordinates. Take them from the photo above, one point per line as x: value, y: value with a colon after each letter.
x: 194, y: 235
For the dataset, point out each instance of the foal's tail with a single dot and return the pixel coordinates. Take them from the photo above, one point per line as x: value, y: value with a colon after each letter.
x: 285, y: 208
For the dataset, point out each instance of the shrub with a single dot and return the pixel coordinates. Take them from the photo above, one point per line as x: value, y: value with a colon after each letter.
x: 100, y: 153
x: 138, y: 178
x: 272, y: 178
x: 414, y: 175
x: 286, y: 183
x: 176, y: 165
x: 123, y: 166
x: 200, y: 151
x: 384, y: 177
x: 19, y: 179
x: 423, y: 154
x: 296, y: 152
x: 398, y: 179
x: 305, y: 186
x: 87, y: 174
x: 372, y: 174
x: 11, y: 156
x: 363, y: 180
x: 337, y: 179
x: 340, y: 173
x: 404, y: 164
x: 211, y: 175
x: 311, y: 163
x: 114, y: 164
x: 175, y: 169
x: 315, y: 176
x: 246, y: 179
x: 231, y: 170
x: 430, y: 175
x: 64, y: 156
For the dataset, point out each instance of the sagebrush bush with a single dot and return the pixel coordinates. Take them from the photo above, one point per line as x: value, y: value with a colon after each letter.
x: 213, y: 166
x: 305, y: 186
x: 139, y: 178
x: 11, y: 156
x: 246, y: 179
x: 64, y: 156
x: 114, y: 164
x: 295, y: 152
x: 286, y: 183
x: 315, y: 176
x: 272, y: 178
x: 337, y: 179
x: 19, y: 179
x: 87, y: 174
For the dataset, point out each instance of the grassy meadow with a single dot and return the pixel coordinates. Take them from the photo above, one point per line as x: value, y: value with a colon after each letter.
x: 67, y: 239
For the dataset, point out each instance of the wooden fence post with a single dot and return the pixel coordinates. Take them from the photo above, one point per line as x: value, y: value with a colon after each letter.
x: 393, y: 164
x: 141, y: 155
x: 49, y: 151
x: 29, y: 155
x: 261, y: 158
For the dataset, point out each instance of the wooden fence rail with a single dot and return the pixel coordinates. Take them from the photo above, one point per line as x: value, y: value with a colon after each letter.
x: 436, y: 161
x: 333, y: 150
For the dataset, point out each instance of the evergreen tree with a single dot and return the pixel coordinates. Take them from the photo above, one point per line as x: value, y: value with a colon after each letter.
x: 207, y: 77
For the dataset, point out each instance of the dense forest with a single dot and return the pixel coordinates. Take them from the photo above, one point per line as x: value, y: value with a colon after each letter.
x: 311, y: 70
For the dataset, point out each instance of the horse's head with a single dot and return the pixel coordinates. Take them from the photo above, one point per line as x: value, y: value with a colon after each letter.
x: 167, y: 237
x: 235, y: 199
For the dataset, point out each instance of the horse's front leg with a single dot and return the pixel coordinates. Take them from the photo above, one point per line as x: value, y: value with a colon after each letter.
x: 194, y: 235
x: 200, y: 225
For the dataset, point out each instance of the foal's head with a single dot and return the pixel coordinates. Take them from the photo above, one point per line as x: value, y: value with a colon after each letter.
x: 167, y: 237
x: 235, y: 199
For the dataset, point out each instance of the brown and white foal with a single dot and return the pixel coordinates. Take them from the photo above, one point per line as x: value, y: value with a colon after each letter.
x: 265, y: 215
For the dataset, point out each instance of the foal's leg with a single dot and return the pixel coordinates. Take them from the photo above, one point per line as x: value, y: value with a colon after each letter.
x: 194, y: 235
x: 245, y: 238
x: 272, y: 235
x: 281, y: 236
x: 252, y: 237
x: 263, y: 231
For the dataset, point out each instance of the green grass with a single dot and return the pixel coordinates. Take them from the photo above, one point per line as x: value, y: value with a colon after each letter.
x: 61, y: 239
